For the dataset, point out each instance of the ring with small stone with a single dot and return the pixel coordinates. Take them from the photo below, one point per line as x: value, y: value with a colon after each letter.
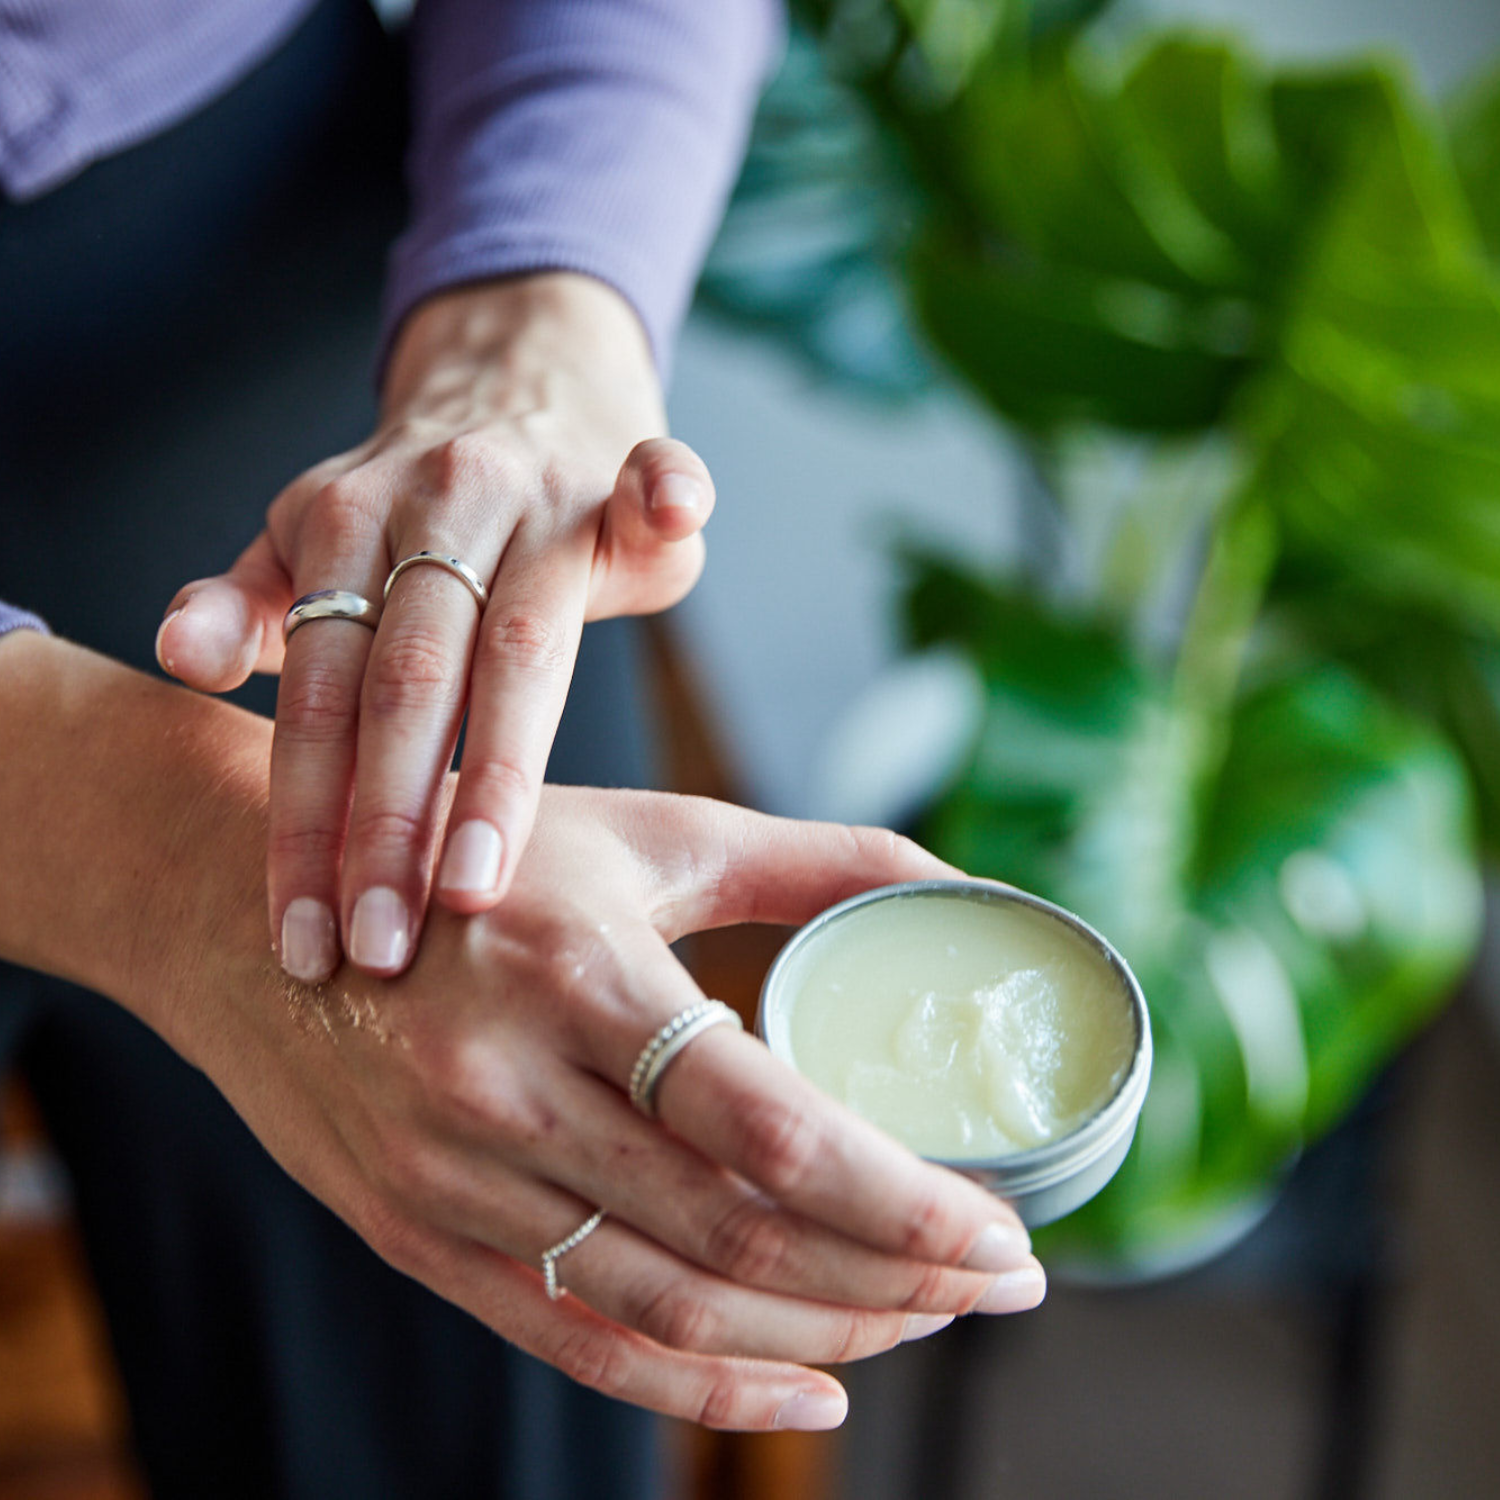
x: 460, y: 570
x: 329, y: 604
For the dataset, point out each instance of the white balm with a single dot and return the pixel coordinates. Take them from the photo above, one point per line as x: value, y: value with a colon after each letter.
x: 969, y: 1029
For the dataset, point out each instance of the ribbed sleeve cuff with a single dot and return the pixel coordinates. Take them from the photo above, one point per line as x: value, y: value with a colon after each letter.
x: 576, y: 135
x: 19, y: 619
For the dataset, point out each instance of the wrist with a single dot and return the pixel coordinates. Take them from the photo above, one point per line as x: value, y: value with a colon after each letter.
x: 545, y: 327
x: 133, y: 818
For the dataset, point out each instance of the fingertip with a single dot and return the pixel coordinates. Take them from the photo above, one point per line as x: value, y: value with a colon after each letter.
x: 309, y: 948
x: 677, y: 504
x: 380, y: 939
x: 208, y: 641
x: 165, y: 656
x: 1014, y: 1291
x: 813, y: 1410
x: 469, y: 877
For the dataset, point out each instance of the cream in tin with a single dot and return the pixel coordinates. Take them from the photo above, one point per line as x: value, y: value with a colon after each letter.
x: 982, y: 1026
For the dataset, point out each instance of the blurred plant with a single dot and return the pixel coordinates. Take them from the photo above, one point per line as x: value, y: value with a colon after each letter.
x: 1243, y: 709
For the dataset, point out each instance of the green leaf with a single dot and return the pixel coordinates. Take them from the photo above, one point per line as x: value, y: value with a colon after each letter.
x: 1378, y: 423
x: 1474, y: 128
x: 812, y: 244
x: 1048, y: 345
x: 1291, y: 928
x: 1446, y: 677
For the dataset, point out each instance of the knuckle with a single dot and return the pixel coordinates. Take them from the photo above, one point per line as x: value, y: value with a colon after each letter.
x: 343, y: 509
x: 412, y: 671
x: 305, y: 845
x: 928, y: 1291
x: 679, y: 1320
x: 470, y: 1086
x: 401, y: 1170
x: 780, y: 1146
x: 857, y: 1334
x: 389, y: 829
x: 883, y: 849
x: 314, y: 705
x: 497, y: 781
x: 720, y: 1404
x: 465, y: 463
x: 928, y: 1232
x: 751, y: 1244
x: 524, y: 639
x: 595, y: 1358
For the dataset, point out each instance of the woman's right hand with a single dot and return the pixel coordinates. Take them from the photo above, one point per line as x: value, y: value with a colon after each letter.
x: 471, y: 1114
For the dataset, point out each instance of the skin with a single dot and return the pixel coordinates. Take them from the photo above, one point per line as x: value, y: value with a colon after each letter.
x: 522, y: 430
x: 470, y: 1114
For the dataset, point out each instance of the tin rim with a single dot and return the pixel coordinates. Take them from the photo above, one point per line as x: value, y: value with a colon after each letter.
x: 1038, y: 1166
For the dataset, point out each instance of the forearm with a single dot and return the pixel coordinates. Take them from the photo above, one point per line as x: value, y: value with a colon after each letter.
x: 131, y: 825
x: 570, y: 135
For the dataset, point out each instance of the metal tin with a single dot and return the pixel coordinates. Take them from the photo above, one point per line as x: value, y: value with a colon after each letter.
x: 1050, y: 1180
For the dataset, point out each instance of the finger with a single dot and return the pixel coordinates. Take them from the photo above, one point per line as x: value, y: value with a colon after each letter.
x: 415, y: 687
x: 312, y: 754
x: 639, y: 1284
x: 732, y: 1101
x: 523, y: 663
x: 728, y: 1096
x: 635, y: 1281
x: 649, y: 1178
x: 650, y: 553
x: 737, y: 1394
x: 748, y: 867
x: 217, y: 631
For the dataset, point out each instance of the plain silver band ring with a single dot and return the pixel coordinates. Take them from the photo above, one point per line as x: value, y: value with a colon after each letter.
x: 460, y: 570
x: 657, y: 1055
x: 329, y: 604
x: 551, y: 1257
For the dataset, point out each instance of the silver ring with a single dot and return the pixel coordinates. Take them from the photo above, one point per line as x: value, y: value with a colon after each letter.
x: 329, y: 604
x: 460, y: 570
x: 551, y: 1257
x: 657, y: 1055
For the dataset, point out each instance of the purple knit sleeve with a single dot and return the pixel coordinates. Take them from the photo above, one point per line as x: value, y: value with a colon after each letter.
x: 17, y: 619
x: 599, y: 136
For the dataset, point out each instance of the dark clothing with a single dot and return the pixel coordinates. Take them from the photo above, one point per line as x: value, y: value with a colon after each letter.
x: 183, y: 329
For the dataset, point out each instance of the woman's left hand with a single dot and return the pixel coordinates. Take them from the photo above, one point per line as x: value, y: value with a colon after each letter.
x: 522, y: 433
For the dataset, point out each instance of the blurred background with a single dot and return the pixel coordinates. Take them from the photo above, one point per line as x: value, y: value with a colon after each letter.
x: 1104, y: 401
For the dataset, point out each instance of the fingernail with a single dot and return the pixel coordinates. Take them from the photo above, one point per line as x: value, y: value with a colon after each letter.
x: 1015, y: 1291
x: 161, y: 630
x: 999, y: 1248
x: 472, y: 861
x: 919, y: 1325
x: 380, y: 930
x: 309, y: 940
x: 813, y: 1411
x: 676, y: 492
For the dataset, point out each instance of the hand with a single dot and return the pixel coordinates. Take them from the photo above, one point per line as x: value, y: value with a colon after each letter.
x: 471, y: 1114
x: 521, y: 432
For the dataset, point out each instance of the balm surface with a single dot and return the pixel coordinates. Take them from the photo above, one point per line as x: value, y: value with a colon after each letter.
x: 965, y: 1028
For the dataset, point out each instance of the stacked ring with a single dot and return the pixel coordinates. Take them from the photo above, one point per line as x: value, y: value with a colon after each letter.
x: 551, y: 1257
x: 460, y: 570
x: 329, y: 604
x: 658, y: 1054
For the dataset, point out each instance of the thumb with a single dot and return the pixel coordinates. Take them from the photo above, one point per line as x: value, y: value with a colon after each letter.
x: 651, y: 551
x: 747, y: 867
x: 220, y: 630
